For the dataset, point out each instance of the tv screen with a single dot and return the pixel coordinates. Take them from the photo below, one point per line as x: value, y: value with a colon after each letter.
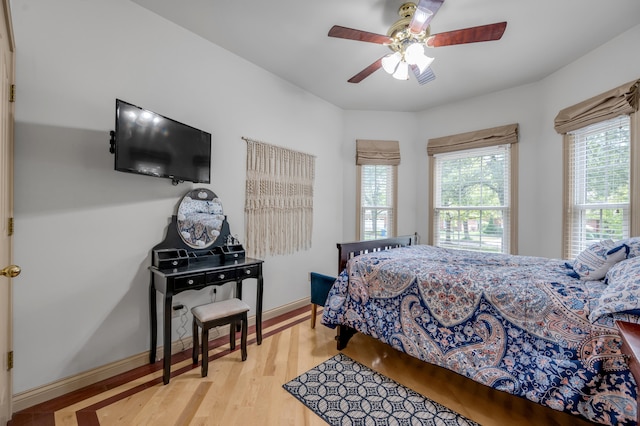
x: 151, y: 144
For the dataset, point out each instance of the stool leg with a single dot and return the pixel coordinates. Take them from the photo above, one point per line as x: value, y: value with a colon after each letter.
x: 314, y: 309
x: 194, y: 338
x: 205, y: 350
x: 243, y: 337
x: 232, y: 335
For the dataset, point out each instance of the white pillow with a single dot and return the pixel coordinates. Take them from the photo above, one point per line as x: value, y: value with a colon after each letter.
x: 594, y: 261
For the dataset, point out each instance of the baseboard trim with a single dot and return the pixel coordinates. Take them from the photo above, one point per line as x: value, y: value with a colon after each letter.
x: 61, y: 387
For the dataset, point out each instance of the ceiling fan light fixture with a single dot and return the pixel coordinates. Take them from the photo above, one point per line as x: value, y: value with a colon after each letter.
x: 402, y: 72
x: 391, y: 61
x: 408, y: 36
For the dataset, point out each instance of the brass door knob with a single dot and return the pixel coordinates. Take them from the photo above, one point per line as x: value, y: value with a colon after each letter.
x: 11, y: 271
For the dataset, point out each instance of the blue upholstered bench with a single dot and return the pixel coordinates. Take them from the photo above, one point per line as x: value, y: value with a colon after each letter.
x: 320, y: 286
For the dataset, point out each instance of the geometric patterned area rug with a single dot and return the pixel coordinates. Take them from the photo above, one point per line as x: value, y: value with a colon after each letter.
x: 344, y: 392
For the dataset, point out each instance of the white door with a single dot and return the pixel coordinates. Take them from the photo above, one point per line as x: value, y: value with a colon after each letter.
x: 7, y: 270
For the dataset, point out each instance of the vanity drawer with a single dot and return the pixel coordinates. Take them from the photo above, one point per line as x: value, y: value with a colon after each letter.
x: 221, y: 276
x: 188, y: 281
x: 252, y: 271
x: 169, y: 259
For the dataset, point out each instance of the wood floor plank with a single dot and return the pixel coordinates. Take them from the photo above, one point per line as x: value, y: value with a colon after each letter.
x: 193, y: 403
x: 237, y: 393
x: 65, y: 418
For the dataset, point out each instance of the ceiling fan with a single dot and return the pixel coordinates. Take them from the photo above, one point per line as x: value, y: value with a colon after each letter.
x: 407, y: 38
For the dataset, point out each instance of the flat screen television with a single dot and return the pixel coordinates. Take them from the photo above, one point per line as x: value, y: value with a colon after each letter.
x: 148, y: 143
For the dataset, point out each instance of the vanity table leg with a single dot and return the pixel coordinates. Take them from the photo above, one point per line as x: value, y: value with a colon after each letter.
x: 166, y: 342
x: 258, y: 305
x: 153, y: 312
x: 239, y: 289
x: 239, y: 296
x: 259, y: 310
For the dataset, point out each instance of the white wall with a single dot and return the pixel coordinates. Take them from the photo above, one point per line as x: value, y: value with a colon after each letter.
x: 84, y: 231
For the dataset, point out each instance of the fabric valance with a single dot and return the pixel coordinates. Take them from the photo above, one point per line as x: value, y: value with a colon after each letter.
x: 374, y: 152
x: 610, y: 104
x: 500, y: 135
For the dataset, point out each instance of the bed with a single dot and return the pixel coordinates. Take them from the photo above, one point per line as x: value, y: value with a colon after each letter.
x: 529, y: 326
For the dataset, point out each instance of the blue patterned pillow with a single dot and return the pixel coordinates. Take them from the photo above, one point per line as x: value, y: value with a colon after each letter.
x: 622, y: 294
x: 594, y: 261
x: 634, y: 246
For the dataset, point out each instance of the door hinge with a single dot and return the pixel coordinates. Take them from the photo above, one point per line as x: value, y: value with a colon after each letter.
x: 10, y: 227
x: 12, y: 93
x: 9, y: 360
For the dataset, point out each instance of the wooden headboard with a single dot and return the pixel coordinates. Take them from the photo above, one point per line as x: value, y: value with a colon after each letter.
x: 348, y: 250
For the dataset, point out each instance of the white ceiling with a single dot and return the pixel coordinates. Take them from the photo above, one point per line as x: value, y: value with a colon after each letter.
x: 289, y: 38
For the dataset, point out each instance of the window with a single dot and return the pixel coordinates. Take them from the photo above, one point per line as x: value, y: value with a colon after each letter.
x: 601, y: 168
x: 377, y: 201
x: 598, y: 187
x: 471, y: 200
x: 473, y: 190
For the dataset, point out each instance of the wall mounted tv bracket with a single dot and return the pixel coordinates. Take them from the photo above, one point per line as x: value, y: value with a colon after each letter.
x: 112, y: 142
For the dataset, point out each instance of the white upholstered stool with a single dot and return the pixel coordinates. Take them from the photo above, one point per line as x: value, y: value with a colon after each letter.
x: 215, y: 314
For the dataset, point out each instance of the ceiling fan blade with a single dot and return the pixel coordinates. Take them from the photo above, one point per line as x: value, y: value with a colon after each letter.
x: 424, y: 77
x: 351, y: 34
x: 425, y: 11
x: 468, y: 35
x: 366, y: 72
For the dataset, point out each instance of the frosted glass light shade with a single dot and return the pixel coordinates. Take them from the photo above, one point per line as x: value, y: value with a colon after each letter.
x: 415, y: 55
x: 391, y: 61
x: 402, y: 72
x: 413, y: 52
x: 423, y: 63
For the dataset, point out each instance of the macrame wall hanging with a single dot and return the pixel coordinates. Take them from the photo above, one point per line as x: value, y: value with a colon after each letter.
x: 279, y: 200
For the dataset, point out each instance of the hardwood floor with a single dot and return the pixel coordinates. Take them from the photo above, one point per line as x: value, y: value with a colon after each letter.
x: 250, y: 393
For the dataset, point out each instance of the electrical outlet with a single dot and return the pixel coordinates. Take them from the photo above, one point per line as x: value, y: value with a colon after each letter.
x: 177, y: 310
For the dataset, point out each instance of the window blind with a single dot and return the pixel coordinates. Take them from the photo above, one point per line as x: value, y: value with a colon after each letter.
x: 472, y: 199
x: 500, y: 135
x: 377, y: 201
x: 599, y: 184
x: 610, y: 104
x: 377, y: 152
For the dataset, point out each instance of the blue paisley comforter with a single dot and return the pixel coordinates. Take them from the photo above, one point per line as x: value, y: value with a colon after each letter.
x: 515, y: 323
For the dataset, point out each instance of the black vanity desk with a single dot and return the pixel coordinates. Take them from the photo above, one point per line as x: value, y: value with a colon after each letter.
x: 199, y: 271
x: 195, y: 277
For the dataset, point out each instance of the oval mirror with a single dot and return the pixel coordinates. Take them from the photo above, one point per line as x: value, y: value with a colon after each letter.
x: 200, y: 218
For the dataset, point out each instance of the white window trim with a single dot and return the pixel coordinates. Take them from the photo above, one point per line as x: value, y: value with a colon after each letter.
x: 513, y: 197
x: 634, y: 184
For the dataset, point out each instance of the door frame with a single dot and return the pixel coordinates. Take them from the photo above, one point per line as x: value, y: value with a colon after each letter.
x: 7, y: 49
